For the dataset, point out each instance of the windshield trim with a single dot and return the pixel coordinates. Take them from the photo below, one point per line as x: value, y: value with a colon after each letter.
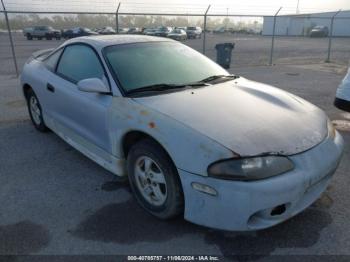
x: 115, y: 77
x: 118, y: 83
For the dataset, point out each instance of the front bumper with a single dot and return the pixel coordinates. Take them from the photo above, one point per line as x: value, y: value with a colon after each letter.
x: 192, y: 35
x: 242, y: 206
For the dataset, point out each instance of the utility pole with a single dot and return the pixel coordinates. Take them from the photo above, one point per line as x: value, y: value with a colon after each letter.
x: 330, y: 37
x: 117, y: 18
x: 273, y: 35
x: 226, y: 18
x: 205, y: 28
x: 297, y: 11
x: 10, y: 36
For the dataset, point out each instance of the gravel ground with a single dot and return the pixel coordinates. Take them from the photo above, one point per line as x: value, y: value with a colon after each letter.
x: 54, y: 201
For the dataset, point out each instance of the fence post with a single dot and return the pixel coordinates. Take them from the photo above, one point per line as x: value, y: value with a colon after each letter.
x: 117, y: 18
x: 205, y: 29
x: 330, y: 37
x: 10, y: 36
x: 273, y: 35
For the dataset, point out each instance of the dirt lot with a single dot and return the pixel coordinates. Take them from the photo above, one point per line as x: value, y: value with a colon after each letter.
x: 54, y: 201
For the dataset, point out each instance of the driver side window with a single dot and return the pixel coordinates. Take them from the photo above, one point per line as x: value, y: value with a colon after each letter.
x: 79, y: 62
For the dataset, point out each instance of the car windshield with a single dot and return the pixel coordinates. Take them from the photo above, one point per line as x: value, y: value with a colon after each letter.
x: 139, y: 65
x: 191, y: 28
x: 176, y: 31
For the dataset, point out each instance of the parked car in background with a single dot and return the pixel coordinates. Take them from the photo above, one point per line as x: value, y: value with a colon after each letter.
x: 163, y: 31
x: 178, y: 34
x: 149, y: 31
x: 181, y: 27
x: 76, y: 32
x: 134, y: 30
x: 319, y: 31
x: 219, y: 30
x: 194, y: 32
x: 40, y: 32
x: 108, y: 30
x: 27, y: 30
x: 193, y: 139
x: 342, y: 98
x: 123, y: 30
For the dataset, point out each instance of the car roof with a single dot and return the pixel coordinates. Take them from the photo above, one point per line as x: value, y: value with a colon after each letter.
x: 101, y: 41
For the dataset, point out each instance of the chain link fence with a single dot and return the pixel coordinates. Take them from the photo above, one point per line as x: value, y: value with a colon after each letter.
x: 263, y: 39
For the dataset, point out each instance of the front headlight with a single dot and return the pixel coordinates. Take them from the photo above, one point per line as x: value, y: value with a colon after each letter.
x: 247, y: 169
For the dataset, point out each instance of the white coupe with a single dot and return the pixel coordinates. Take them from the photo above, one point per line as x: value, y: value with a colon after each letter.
x: 194, y: 140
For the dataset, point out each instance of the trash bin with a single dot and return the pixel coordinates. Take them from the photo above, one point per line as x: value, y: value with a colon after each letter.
x: 223, y: 54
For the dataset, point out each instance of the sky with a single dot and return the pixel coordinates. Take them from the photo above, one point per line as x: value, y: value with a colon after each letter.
x: 258, y: 7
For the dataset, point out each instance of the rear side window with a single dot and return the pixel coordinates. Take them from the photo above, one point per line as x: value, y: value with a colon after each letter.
x: 52, y: 60
x: 79, y: 62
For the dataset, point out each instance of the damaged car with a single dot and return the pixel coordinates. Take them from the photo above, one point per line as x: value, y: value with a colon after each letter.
x: 221, y: 150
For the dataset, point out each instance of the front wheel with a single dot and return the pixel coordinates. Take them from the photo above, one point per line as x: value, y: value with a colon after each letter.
x: 154, y: 180
x: 35, y: 112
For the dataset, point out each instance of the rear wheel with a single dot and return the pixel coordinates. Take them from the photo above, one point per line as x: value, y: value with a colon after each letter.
x: 48, y: 37
x: 29, y: 37
x: 154, y: 180
x: 35, y: 111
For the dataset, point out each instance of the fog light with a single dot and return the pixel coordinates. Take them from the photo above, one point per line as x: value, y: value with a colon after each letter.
x: 278, y: 210
x: 204, y: 189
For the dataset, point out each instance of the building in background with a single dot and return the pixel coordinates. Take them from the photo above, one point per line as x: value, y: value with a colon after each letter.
x: 301, y: 25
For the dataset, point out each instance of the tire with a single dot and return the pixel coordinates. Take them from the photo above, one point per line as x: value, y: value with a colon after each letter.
x: 39, y: 37
x: 35, y: 113
x: 48, y: 37
x: 29, y: 37
x: 164, y: 197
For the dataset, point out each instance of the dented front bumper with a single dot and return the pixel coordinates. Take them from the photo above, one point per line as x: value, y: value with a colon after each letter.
x: 242, y: 206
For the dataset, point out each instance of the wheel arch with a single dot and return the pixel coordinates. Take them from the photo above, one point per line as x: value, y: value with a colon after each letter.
x: 134, y: 136
x: 26, y: 88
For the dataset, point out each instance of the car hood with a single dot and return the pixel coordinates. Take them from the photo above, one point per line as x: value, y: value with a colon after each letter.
x: 246, y: 117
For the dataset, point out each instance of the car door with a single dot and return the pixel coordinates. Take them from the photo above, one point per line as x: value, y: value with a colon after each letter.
x: 79, y: 115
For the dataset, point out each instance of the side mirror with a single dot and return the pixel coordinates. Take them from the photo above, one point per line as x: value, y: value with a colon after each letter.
x: 93, y: 85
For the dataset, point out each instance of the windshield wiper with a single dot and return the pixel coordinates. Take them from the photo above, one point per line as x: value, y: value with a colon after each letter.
x: 164, y: 87
x: 215, y: 77
x: 156, y: 87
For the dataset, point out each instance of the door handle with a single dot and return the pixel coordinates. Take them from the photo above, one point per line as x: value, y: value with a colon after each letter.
x: 50, y: 87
